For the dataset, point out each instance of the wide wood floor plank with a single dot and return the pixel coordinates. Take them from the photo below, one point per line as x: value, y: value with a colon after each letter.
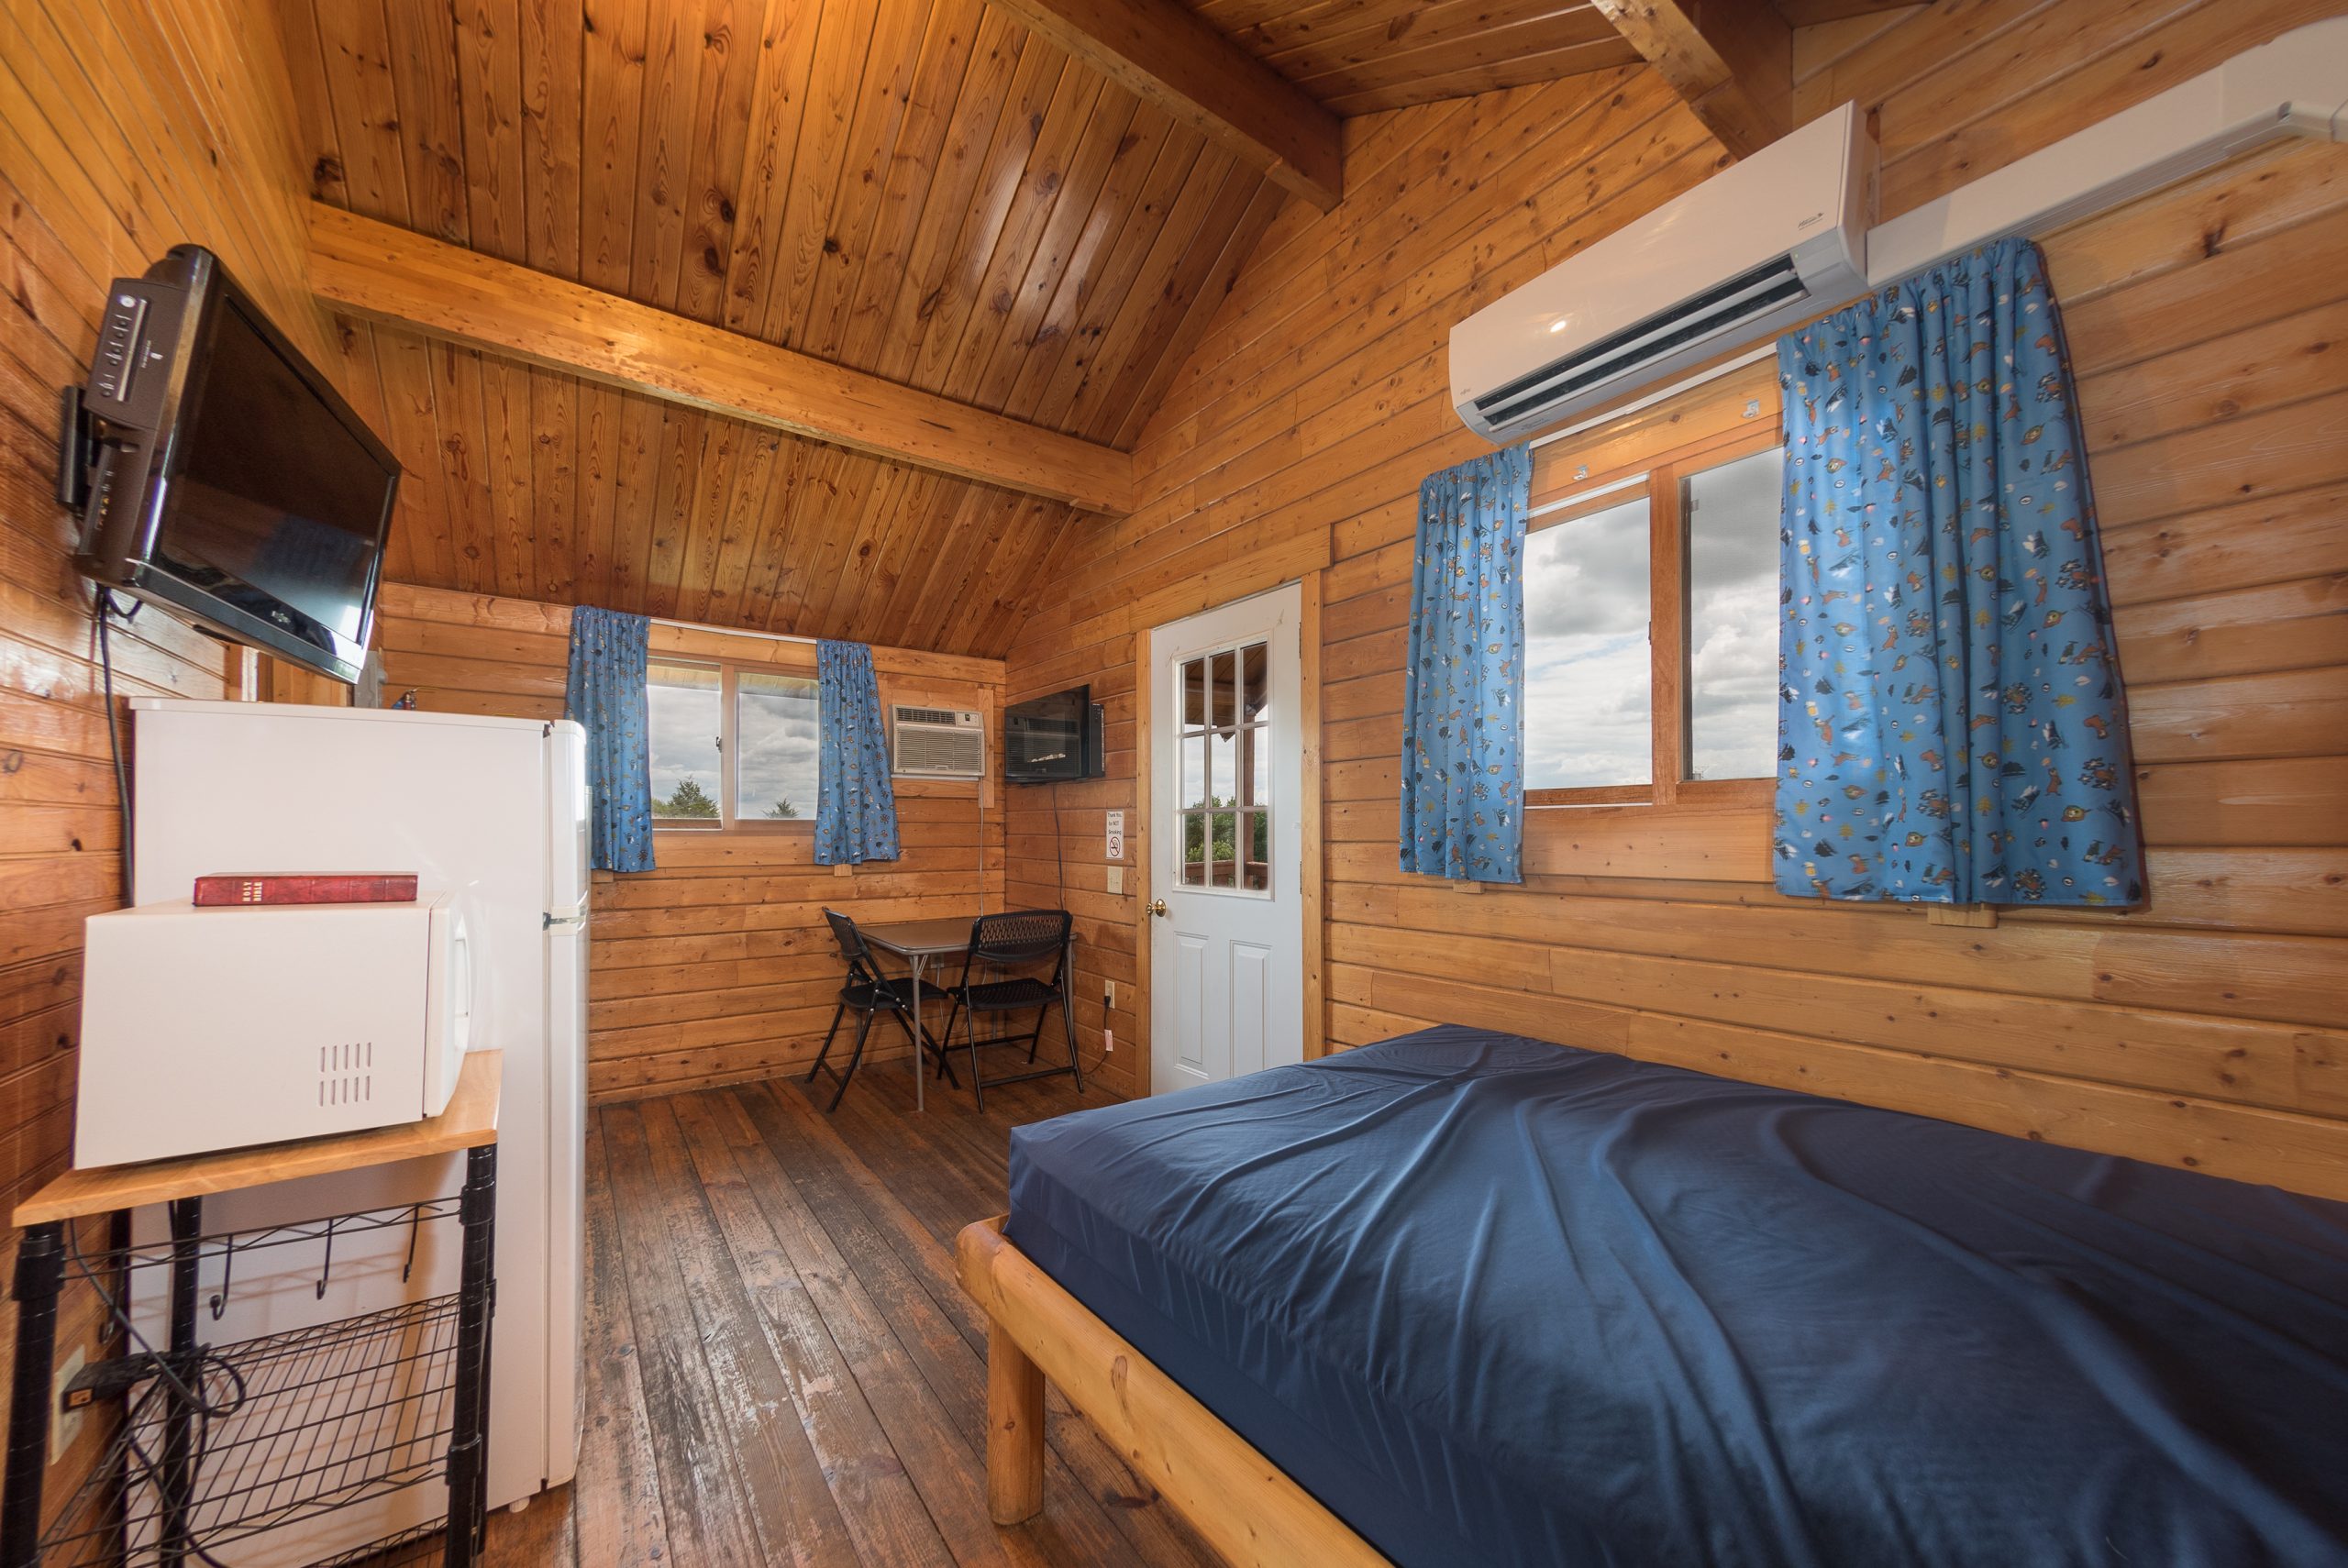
x: 708, y: 1519
x: 613, y: 1502
x: 878, y: 1498
x: 780, y: 1366
x: 934, y: 1448
x: 911, y: 1273
x: 781, y: 1480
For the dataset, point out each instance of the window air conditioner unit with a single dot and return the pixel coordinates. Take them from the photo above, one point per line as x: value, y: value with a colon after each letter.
x: 1774, y: 240
x: 938, y: 742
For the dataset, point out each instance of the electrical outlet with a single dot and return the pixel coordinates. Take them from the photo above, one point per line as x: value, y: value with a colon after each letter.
x: 1109, y: 995
x: 64, y: 1424
x: 1116, y: 878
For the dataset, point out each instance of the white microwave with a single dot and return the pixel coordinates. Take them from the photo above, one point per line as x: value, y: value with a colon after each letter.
x: 222, y: 1027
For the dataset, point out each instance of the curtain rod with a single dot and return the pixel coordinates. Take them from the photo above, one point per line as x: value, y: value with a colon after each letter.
x: 730, y: 630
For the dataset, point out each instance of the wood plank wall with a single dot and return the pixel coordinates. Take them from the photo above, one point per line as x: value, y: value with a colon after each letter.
x: 126, y: 127
x: 2205, y: 1030
x: 717, y: 967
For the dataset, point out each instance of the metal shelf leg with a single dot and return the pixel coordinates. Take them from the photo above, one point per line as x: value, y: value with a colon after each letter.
x: 41, y: 1266
x: 469, y: 1437
x: 176, y: 1479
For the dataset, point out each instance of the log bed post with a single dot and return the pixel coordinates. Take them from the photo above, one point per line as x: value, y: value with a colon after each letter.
x: 1015, y: 1430
x: 1244, y: 1508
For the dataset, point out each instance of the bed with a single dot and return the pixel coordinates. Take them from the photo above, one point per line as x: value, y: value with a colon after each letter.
x: 1464, y: 1297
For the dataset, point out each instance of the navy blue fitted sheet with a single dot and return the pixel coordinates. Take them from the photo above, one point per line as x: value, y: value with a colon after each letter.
x: 1496, y: 1300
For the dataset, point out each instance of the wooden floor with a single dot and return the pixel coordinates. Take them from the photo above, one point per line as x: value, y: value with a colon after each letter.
x: 779, y: 1365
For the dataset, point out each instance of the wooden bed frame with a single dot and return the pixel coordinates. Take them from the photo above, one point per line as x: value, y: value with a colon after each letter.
x: 1244, y: 1506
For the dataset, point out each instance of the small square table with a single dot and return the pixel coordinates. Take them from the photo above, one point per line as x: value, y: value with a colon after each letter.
x: 918, y: 942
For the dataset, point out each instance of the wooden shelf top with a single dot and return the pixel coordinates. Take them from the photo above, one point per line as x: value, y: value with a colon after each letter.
x: 470, y: 1121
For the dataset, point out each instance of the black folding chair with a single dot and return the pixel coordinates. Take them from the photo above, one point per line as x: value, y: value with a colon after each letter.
x: 869, y: 993
x: 1005, y: 943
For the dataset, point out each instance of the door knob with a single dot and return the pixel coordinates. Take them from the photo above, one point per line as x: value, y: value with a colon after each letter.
x: 1158, y: 908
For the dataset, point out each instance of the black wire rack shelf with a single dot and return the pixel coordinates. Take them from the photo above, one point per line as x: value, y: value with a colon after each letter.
x: 228, y: 1452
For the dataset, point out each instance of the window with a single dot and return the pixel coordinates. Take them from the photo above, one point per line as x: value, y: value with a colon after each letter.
x: 1226, y: 769
x: 1651, y: 633
x: 703, y: 714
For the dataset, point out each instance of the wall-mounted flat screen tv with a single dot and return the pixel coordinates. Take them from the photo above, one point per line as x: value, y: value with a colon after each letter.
x: 220, y: 473
x: 1049, y: 738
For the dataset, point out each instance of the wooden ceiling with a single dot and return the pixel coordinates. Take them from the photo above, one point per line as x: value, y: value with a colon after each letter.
x: 1357, y: 56
x: 927, y: 191
x: 920, y: 190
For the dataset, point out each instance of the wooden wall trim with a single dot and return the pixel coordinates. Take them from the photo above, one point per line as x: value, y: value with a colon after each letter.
x: 449, y: 292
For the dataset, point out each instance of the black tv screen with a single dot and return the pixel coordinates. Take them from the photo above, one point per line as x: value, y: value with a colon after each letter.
x: 1049, y: 738
x: 231, y: 480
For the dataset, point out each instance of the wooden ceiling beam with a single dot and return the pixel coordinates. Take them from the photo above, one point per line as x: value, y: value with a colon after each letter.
x: 444, y: 291
x: 1731, y: 60
x: 1163, y: 52
x: 1812, y: 13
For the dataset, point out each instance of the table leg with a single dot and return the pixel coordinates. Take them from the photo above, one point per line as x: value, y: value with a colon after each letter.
x: 921, y: 1053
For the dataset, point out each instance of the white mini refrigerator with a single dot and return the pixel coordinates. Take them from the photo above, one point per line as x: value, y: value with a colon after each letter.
x: 491, y: 813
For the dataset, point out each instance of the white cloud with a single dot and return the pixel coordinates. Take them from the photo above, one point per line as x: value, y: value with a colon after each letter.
x: 1588, y: 574
x: 1733, y: 617
x: 1586, y: 712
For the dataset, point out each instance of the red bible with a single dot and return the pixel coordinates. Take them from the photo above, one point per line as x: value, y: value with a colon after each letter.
x: 375, y: 888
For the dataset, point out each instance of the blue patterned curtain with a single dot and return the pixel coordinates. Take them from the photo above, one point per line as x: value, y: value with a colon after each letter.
x: 856, y: 805
x: 1463, y: 700
x: 606, y: 695
x: 1950, y: 727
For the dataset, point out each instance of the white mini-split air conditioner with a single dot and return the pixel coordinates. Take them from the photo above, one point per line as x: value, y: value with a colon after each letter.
x: 938, y: 742
x: 1785, y: 235
x: 1764, y: 243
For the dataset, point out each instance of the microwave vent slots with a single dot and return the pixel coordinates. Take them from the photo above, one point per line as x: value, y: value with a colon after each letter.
x: 346, y: 1072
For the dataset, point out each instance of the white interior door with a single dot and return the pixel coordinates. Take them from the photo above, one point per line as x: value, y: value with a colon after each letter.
x: 1227, y: 829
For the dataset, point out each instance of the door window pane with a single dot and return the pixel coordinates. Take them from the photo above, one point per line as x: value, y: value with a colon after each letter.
x: 775, y: 745
x: 1194, y: 771
x: 682, y: 702
x: 1588, y: 697
x: 1732, y: 515
x: 1224, y: 757
x: 1223, y: 835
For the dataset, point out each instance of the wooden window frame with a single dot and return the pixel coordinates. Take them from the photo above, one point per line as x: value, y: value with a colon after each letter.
x: 729, y: 672
x: 1666, y: 476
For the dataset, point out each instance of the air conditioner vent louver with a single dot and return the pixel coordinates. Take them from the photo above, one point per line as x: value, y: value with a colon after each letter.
x: 1744, y: 298
x: 1757, y: 248
x: 938, y: 742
